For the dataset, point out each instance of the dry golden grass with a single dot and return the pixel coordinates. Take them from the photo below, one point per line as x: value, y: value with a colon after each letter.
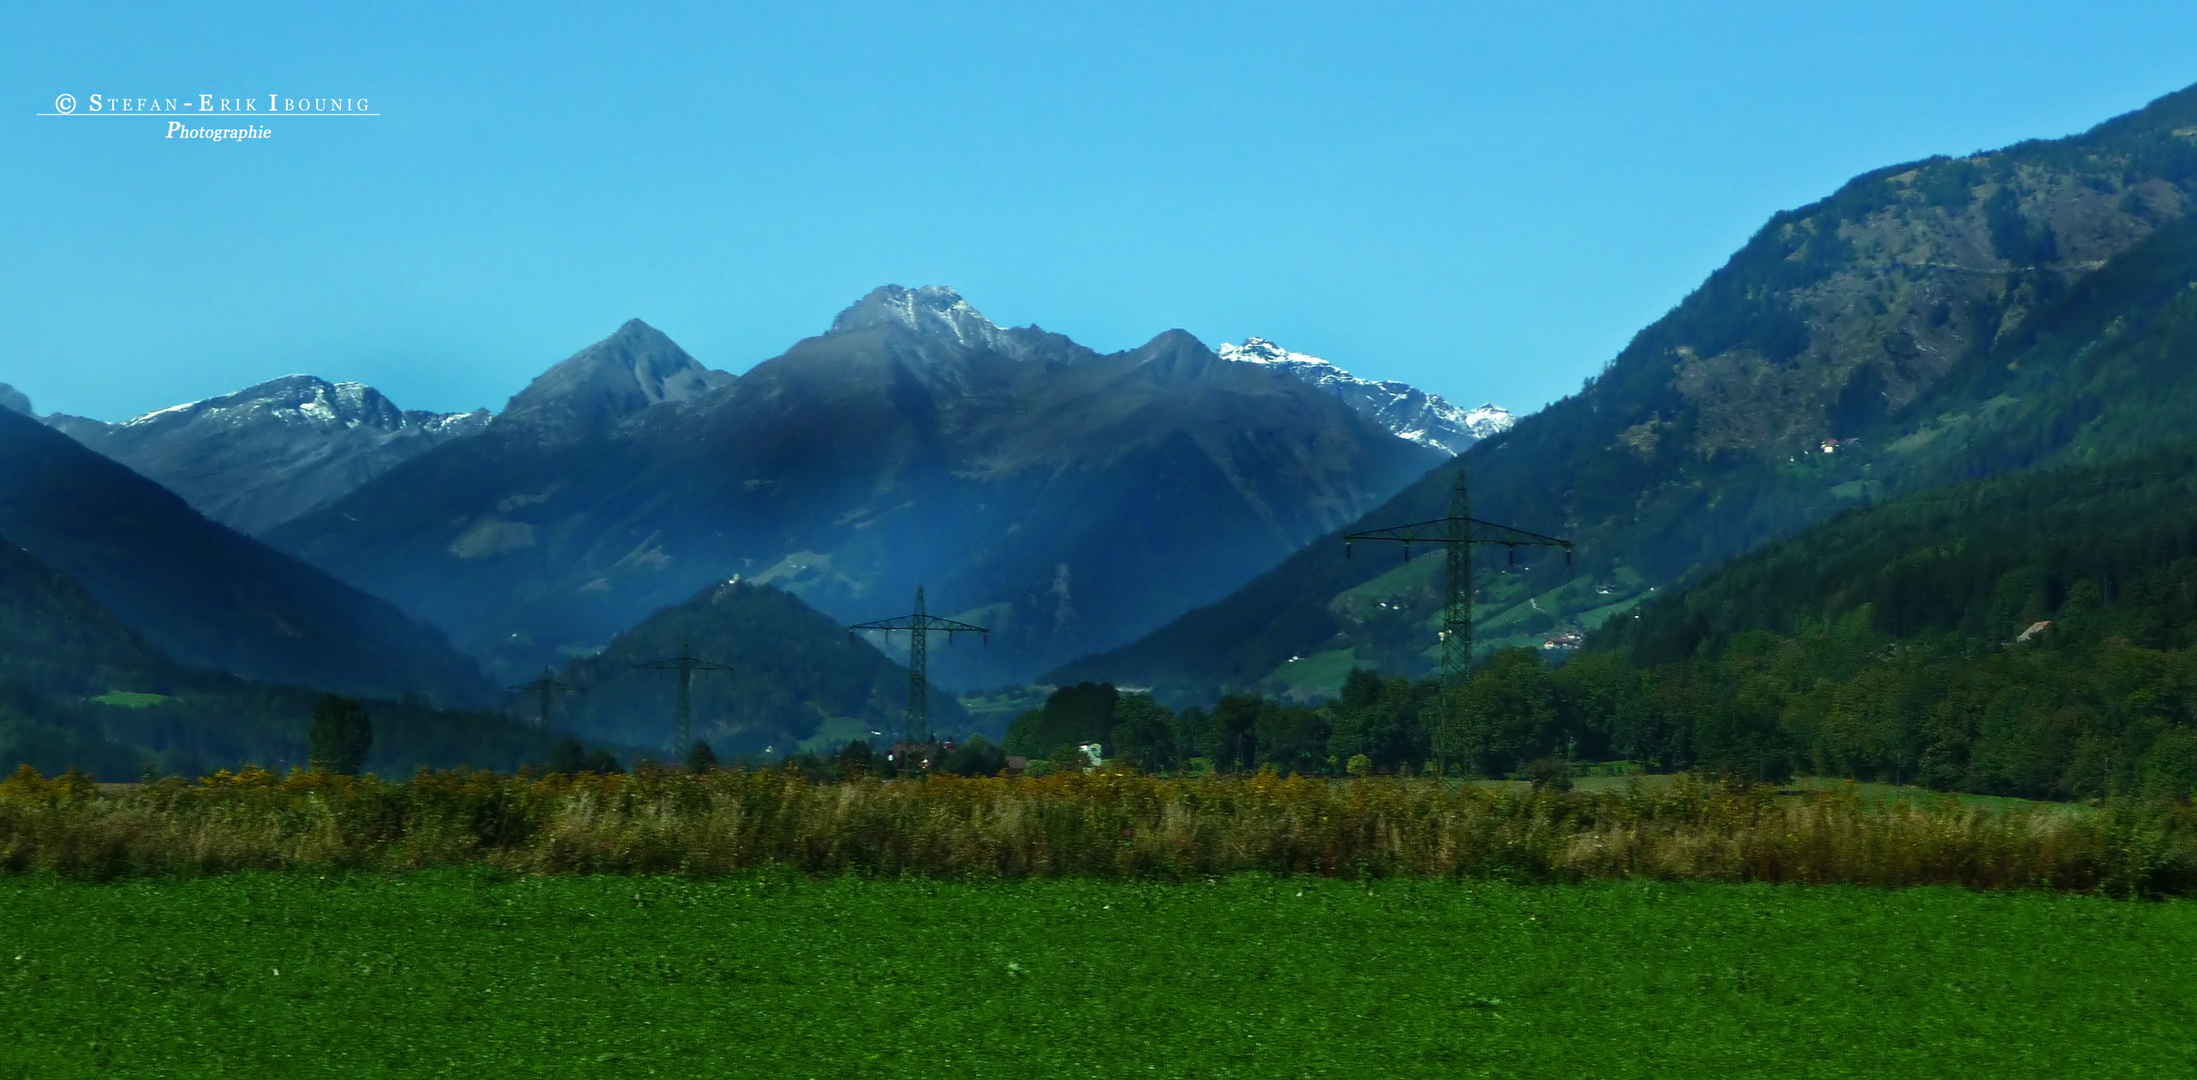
x: 1116, y: 825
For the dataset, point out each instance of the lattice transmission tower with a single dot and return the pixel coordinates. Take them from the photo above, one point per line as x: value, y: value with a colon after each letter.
x: 686, y: 664
x: 547, y: 686
x: 1457, y: 534
x: 920, y: 626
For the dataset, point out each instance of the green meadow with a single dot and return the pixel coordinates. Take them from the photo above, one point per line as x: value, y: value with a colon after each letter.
x: 470, y: 973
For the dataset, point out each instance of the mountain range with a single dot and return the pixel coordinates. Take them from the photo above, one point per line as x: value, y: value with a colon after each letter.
x: 1168, y: 516
x: 270, y: 453
x: 1927, y: 322
x: 1066, y: 499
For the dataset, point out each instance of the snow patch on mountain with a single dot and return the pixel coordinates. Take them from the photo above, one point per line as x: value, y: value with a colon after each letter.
x: 1408, y: 411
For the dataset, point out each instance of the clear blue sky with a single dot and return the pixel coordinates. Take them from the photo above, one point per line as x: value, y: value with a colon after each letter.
x: 1483, y: 200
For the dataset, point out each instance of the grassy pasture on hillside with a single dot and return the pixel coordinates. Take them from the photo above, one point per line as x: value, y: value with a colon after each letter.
x: 464, y: 973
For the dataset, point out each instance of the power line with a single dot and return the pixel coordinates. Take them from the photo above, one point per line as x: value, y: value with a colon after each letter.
x: 920, y: 625
x: 686, y: 664
x: 547, y: 685
x: 1960, y: 500
x: 1457, y: 534
x: 1634, y: 501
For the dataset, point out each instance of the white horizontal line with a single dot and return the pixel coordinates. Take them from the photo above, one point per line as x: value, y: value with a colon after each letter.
x: 245, y: 115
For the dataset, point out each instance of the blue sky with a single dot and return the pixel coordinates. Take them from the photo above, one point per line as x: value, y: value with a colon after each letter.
x: 1485, y: 200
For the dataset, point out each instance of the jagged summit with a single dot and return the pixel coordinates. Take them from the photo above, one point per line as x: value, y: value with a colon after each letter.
x: 1489, y: 419
x: 302, y: 400
x: 597, y: 387
x: 931, y: 309
x: 939, y: 314
x: 258, y: 457
x: 1258, y: 350
x: 15, y: 400
x: 1176, y: 355
x: 1408, y: 411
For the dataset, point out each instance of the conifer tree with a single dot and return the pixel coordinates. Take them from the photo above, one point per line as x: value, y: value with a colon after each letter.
x: 342, y: 734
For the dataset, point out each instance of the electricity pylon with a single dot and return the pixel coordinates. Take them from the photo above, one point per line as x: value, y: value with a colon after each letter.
x: 1457, y: 533
x: 547, y: 685
x: 920, y: 625
x: 686, y: 664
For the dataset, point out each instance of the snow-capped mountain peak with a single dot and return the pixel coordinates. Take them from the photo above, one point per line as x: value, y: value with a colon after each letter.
x: 271, y: 452
x: 1408, y: 411
x: 929, y: 309
x: 1489, y: 419
x: 292, y: 399
x: 1257, y: 350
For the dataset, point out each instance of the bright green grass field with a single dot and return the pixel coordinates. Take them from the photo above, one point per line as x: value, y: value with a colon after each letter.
x: 461, y: 975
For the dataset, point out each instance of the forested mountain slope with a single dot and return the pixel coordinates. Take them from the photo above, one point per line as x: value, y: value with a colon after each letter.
x: 56, y: 638
x: 203, y: 595
x: 79, y: 688
x: 2102, y: 371
x: 1933, y: 320
x: 798, y: 676
x: 2034, y: 634
x: 2099, y: 551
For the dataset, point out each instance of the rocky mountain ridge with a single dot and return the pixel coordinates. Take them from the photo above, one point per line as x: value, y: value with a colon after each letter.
x: 268, y: 453
x: 596, y: 389
x: 1411, y: 413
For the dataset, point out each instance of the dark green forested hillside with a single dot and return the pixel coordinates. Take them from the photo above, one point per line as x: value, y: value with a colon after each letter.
x: 1984, y: 560
x: 77, y: 687
x: 2034, y: 634
x: 2031, y: 635
x: 54, y: 635
x: 2101, y: 372
x: 798, y: 677
x: 57, y: 644
x: 205, y: 595
x: 1932, y: 321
